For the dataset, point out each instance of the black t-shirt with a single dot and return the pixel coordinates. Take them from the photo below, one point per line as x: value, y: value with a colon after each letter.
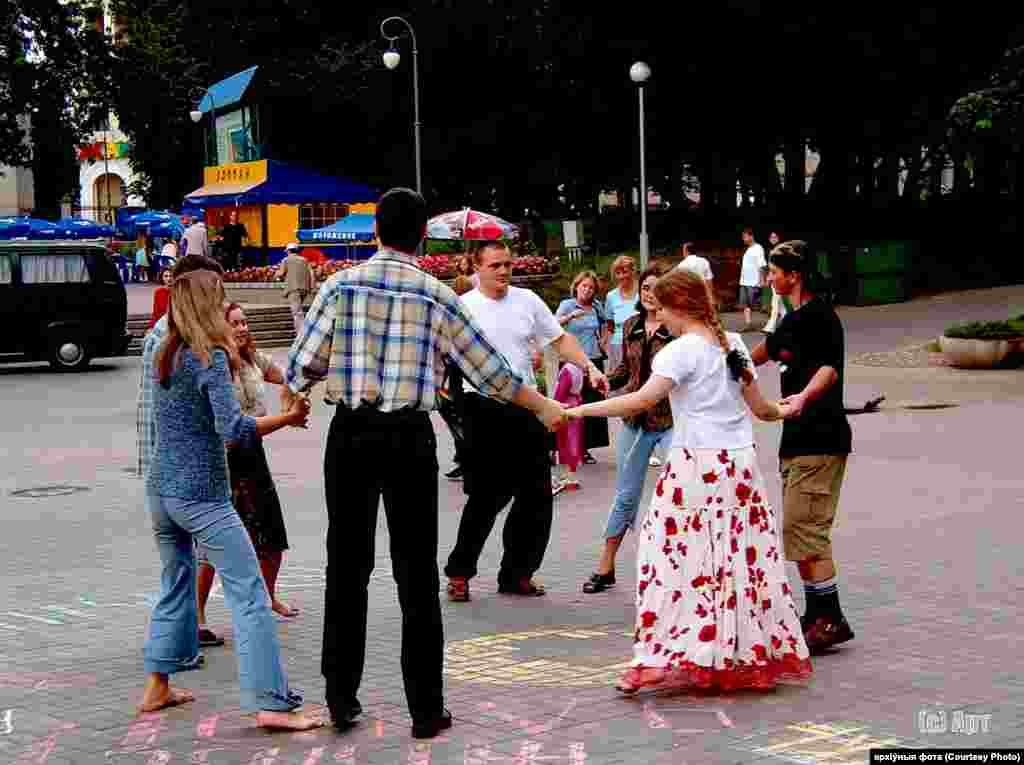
x: 806, y: 340
x: 233, y: 234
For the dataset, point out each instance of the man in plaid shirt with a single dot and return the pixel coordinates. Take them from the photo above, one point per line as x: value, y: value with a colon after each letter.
x: 379, y: 335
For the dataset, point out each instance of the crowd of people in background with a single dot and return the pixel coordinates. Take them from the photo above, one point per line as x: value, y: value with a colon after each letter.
x: 713, y: 605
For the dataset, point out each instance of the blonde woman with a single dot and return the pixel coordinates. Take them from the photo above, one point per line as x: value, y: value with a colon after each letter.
x: 714, y: 608
x: 620, y: 305
x: 188, y: 495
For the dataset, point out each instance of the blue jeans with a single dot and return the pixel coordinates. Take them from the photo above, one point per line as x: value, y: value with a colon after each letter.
x: 633, y: 449
x: 174, y: 628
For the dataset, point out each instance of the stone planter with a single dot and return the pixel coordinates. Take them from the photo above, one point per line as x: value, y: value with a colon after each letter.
x: 977, y: 354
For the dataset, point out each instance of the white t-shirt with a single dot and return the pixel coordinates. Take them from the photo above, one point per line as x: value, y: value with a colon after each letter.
x: 707, y: 404
x: 697, y: 265
x: 753, y: 264
x: 516, y: 324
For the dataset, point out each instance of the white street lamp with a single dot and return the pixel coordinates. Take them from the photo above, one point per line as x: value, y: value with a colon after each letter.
x: 640, y: 73
x: 391, y: 59
x: 196, y: 115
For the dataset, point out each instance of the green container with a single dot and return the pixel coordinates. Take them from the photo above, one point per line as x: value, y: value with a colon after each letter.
x: 882, y: 258
x: 877, y: 289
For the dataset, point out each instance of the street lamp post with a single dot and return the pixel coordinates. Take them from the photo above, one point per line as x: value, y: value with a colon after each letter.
x: 391, y: 59
x: 640, y: 73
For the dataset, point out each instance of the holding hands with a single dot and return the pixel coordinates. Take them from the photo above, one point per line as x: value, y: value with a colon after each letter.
x: 298, y: 413
x: 553, y: 415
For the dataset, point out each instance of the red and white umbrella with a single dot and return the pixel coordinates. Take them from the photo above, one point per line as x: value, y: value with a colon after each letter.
x: 470, y: 225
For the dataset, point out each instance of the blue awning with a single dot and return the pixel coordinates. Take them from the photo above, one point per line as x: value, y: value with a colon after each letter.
x: 227, y: 92
x: 285, y: 184
x: 357, y: 227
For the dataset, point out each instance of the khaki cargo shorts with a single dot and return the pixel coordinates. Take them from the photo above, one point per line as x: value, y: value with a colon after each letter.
x: 810, y: 496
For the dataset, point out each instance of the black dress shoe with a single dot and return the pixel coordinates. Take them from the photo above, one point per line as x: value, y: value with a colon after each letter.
x: 430, y: 728
x: 455, y: 474
x: 345, y: 715
x: 599, y: 583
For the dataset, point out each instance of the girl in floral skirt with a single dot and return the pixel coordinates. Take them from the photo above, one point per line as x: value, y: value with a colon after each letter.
x: 714, y: 609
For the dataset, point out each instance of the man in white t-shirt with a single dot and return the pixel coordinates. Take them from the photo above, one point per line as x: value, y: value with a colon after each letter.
x: 696, y: 264
x: 752, y: 275
x: 506, y: 448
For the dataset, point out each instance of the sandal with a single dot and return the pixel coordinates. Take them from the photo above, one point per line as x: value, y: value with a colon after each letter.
x: 458, y: 589
x: 525, y: 586
x: 636, y: 679
x: 208, y: 639
x: 599, y: 582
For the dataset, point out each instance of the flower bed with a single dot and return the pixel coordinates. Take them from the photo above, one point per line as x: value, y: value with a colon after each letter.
x: 440, y: 266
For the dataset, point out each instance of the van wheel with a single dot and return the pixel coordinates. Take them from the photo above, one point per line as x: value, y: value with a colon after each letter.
x: 68, y: 354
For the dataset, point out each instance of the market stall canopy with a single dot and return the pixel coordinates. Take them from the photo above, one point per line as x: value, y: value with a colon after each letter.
x: 357, y: 227
x: 227, y: 92
x: 273, y: 182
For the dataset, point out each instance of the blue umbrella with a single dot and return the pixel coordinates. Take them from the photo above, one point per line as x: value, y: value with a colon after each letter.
x: 28, y: 228
x: 154, y: 223
x: 80, y: 228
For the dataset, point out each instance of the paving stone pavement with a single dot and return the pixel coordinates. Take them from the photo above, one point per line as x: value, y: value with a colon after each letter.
x: 930, y: 570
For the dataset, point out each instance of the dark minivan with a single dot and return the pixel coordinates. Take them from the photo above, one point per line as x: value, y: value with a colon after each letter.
x: 60, y: 301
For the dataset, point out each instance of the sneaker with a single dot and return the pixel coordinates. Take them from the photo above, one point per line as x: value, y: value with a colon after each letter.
x: 824, y: 633
x: 655, y: 462
x: 455, y: 474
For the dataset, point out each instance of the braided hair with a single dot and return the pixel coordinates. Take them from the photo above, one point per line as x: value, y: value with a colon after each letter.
x: 687, y: 293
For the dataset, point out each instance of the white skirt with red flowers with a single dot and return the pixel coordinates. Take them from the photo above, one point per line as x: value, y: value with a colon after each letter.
x: 714, y: 608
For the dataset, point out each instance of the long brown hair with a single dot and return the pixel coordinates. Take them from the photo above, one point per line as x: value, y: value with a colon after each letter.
x: 247, y: 352
x: 195, y: 320
x: 688, y: 294
x: 657, y: 271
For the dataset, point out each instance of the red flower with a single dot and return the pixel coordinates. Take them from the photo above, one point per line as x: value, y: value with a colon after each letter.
x: 681, y: 548
x: 645, y: 568
x: 659, y: 488
x: 719, y: 513
x: 751, y: 555
x: 676, y: 596
x: 648, y: 618
x: 701, y: 611
x: 785, y: 589
x: 699, y: 582
x: 710, y: 477
x: 731, y: 602
x: 747, y: 475
x: 723, y: 457
x: 677, y: 497
x: 707, y: 633
x: 735, y: 545
x: 657, y: 649
x: 754, y: 514
x: 731, y: 470
x: 776, y: 643
x: 642, y: 586
x: 670, y: 526
x: 756, y: 499
x: 687, y: 453
x: 696, y: 524
x: 743, y: 493
x: 760, y: 652
x: 766, y: 604
x: 648, y: 638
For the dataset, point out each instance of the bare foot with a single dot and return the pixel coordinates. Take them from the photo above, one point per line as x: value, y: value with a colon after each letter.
x: 284, y: 609
x: 160, y: 695
x: 288, y: 720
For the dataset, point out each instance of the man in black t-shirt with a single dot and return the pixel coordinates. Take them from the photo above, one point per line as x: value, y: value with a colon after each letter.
x: 232, y: 237
x: 808, y: 345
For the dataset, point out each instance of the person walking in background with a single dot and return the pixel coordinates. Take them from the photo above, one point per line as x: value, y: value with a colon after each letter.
x: 644, y: 337
x: 161, y: 297
x: 570, y: 438
x: 449, y: 397
x: 752, y: 276
x: 692, y: 261
x: 188, y: 497
x: 520, y: 325
x: 233, y: 237
x: 299, y: 283
x: 809, y: 345
x: 357, y: 336
x: 583, y: 317
x: 620, y: 305
x: 197, y: 241
x: 186, y: 221
x: 779, y: 307
x: 168, y: 254
x: 464, y: 267
x: 253, y: 492
x: 714, y: 608
x: 141, y: 259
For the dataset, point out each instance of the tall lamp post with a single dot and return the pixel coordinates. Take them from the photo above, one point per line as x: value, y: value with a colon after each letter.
x: 197, y: 115
x: 640, y: 73
x: 391, y: 59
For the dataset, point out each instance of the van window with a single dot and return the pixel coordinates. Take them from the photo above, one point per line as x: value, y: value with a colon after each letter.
x: 5, y: 269
x: 54, y: 269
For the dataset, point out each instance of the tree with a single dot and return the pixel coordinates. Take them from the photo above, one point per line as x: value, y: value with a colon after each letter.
x: 56, y: 65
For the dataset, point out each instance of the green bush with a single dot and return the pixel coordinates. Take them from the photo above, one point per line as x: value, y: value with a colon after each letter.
x: 987, y: 330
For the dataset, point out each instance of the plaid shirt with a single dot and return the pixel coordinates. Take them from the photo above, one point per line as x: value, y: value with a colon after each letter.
x: 145, y: 414
x: 380, y: 333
